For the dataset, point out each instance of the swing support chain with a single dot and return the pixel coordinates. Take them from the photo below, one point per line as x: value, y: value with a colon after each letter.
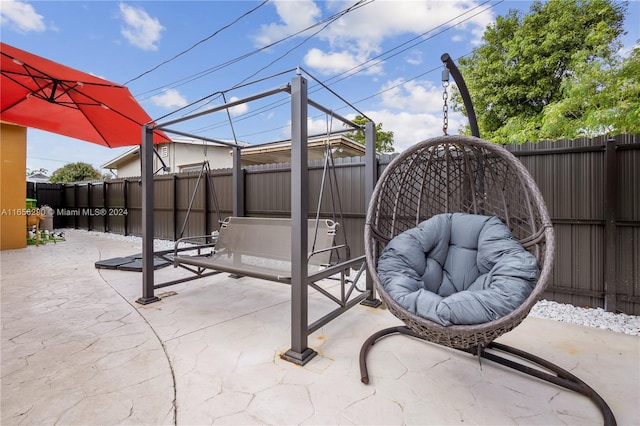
x: 445, y: 99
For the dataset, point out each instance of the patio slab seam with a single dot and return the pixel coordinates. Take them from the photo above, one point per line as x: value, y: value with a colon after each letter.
x: 162, y: 343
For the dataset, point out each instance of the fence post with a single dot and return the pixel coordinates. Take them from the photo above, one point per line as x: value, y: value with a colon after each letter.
x: 175, y: 207
x: 126, y: 206
x: 76, y: 217
x: 105, y: 203
x: 90, y: 205
x: 610, y: 230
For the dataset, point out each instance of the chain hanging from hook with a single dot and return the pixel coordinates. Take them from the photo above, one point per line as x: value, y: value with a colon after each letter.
x: 445, y: 99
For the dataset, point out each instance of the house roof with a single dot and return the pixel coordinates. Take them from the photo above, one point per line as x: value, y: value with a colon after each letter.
x: 38, y: 177
x: 268, y: 153
x: 280, y: 152
x: 114, y: 163
x: 126, y: 156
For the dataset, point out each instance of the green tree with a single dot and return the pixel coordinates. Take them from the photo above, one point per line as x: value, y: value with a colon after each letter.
x: 75, y: 172
x: 601, y: 97
x: 384, y: 140
x: 41, y: 170
x: 529, y: 65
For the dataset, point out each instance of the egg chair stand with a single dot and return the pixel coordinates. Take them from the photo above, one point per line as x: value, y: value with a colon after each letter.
x: 465, y: 174
x: 560, y: 376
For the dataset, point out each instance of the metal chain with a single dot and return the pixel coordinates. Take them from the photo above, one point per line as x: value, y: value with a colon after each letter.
x: 445, y: 108
x: 445, y: 99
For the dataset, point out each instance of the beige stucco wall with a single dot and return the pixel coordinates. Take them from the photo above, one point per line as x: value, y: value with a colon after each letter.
x: 188, y: 155
x: 130, y: 168
x: 13, y: 186
x: 179, y: 156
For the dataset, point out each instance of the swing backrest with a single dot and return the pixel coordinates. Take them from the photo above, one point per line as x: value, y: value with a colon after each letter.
x: 261, y: 248
x: 270, y: 238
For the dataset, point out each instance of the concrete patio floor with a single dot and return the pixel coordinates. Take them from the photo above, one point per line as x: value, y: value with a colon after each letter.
x: 77, y: 350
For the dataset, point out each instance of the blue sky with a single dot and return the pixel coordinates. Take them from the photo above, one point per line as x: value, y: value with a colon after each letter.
x: 381, y: 56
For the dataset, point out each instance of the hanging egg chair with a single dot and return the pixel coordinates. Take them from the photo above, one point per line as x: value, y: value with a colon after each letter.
x: 459, y: 246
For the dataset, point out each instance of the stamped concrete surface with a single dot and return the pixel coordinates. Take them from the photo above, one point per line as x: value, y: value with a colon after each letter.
x: 77, y: 349
x: 73, y: 350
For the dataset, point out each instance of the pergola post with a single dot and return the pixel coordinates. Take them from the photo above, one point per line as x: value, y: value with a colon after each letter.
x: 370, y: 178
x: 299, y: 353
x: 146, y: 157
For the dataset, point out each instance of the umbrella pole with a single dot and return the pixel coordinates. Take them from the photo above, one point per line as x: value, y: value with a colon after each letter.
x: 146, y: 156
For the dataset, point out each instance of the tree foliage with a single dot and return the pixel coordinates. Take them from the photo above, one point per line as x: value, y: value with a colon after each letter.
x: 603, y: 97
x: 553, y: 73
x: 384, y: 140
x: 75, y: 172
x: 41, y: 170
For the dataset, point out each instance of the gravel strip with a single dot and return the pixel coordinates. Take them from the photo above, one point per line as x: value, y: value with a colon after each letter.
x: 590, y: 317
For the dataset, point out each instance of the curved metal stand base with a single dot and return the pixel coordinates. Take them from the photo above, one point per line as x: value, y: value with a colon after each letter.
x: 560, y: 377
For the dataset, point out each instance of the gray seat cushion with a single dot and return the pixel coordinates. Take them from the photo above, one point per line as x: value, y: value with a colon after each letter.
x: 457, y: 268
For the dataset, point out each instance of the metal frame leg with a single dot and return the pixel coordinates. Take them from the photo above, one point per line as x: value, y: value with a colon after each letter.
x: 146, y: 157
x: 299, y: 353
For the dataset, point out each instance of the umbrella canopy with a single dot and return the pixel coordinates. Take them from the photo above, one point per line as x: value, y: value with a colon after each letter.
x: 46, y: 95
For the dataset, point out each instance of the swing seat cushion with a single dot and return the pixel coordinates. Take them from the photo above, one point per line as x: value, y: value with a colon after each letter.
x: 458, y: 268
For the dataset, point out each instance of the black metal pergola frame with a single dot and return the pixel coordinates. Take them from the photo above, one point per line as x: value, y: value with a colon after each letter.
x: 299, y: 352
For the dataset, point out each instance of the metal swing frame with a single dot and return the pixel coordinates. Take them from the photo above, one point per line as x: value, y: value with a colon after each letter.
x: 202, y: 244
x: 299, y: 352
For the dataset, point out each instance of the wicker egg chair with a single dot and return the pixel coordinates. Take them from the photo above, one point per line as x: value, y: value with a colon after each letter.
x: 451, y: 174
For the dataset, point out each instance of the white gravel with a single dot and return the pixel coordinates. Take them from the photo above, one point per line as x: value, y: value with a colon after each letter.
x: 590, y: 317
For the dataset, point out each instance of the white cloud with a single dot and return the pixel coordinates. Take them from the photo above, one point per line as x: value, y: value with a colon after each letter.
x: 238, y: 109
x: 414, y: 96
x: 336, y: 62
x: 410, y: 128
x: 21, y: 17
x: 170, y: 98
x: 140, y: 29
x: 294, y: 16
x: 315, y: 126
x: 626, y: 51
x: 358, y: 35
x: 370, y: 25
x: 414, y: 57
x: 413, y: 111
x: 320, y: 126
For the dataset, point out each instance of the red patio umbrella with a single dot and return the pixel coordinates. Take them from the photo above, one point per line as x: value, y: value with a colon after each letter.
x: 39, y: 93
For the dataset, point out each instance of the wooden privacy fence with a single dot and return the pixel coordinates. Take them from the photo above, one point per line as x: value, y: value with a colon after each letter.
x: 591, y: 188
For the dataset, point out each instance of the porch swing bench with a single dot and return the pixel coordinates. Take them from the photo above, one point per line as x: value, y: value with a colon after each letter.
x: 260, y: 247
